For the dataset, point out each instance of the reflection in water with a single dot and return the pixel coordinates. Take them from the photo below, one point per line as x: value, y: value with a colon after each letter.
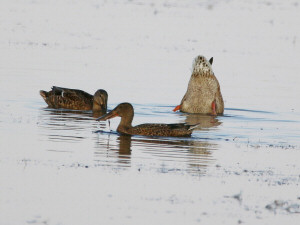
x: 163, y: 154
x: 75, y: 112
x: 205, y: 121
x: 188, y: 154
x: 66, y: 129
x: 98, y: 114
x: 66, y: 125
x: 124, y: 145
x: 110, y: 151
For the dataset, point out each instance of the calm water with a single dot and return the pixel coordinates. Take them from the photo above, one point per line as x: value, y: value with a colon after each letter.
x: 66, y: 129
x: 63, y: 167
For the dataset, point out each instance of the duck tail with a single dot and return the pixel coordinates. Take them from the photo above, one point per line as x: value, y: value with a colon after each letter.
x: 192, y: 127
x: 43, y: 94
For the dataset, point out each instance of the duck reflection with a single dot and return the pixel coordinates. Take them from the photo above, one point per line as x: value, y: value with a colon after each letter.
x: 66, y: 125
x: 190, y: 155
x: 164, y: 154
x: 117, y: 152
x: 124, y: 146
x: 68, y: 113
x: 205, y: 121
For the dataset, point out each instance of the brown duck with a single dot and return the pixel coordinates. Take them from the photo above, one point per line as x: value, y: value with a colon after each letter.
x: 203, y: 94
x: 126, y: 112
x: 75, y: 99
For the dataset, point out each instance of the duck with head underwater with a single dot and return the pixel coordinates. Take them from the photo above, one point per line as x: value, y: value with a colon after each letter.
x: 203, y: 94
x: 126, y: 112
x: 75, y: 99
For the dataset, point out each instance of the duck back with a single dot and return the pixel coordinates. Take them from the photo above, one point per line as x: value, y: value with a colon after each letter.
x: 68, y: 98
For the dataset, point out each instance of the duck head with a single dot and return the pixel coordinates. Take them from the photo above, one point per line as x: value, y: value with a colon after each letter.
x: 123, y: 110
x: 100, y: 100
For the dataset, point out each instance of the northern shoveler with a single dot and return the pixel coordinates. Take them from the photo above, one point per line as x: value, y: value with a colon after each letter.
x: 75, y: 99
x: 203, y: 94
x: 126, y: 112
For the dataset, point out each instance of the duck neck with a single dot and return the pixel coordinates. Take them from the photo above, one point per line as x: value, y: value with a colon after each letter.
x: 97, y: 107
x: 126, y: 123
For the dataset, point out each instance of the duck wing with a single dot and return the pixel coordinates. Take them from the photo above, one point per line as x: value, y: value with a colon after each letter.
x: 171, y: 130
x: 72, y: 93
x: 182, y: 126
x: 68, y: 98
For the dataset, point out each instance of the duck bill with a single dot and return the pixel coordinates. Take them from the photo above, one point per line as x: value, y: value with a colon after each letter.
x: 176, y: 108
x: 99, y: 101
x: 101, y: 104
x: 108, y: 116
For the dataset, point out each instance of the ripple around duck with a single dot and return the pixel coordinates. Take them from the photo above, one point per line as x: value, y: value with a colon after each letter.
x: 193, y: 154
x: 66, y: 125
x: 266, y: 128
x: 247, y: 110
x: 173, y: 153
x: 240, y: 126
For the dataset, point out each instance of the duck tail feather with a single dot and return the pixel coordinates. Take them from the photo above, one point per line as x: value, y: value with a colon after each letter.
x: 43, y: 94
x: 192, y: 127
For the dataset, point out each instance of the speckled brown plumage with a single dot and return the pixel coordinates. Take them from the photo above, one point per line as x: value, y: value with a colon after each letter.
x: 126, y: 112
x: 75, y: 99
x: 203, y: 94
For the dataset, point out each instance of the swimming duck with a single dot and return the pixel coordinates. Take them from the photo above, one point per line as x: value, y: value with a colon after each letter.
x: 126, y: 112
x: 75, y: 99
x: 203, y: 94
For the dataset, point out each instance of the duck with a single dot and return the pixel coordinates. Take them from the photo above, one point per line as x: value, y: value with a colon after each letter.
x: 203, y: 94
x: 75, y: 99
x: 126, y: 112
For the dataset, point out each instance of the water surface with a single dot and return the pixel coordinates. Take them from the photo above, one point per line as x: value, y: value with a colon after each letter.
x: 64, y: 167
